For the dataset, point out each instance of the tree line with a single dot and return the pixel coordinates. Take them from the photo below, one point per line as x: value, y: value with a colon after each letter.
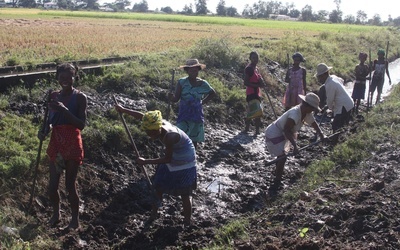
x: 260, y: 9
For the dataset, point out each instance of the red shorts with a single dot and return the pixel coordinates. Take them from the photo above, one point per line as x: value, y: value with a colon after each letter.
x: 66, y: 140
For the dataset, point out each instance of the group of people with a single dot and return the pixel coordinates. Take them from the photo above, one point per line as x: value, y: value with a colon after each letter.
x: 300, y: 105
x: 176, y: 171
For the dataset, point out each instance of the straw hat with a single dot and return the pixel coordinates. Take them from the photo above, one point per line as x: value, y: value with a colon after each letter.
x: 321, y: 69
x: 192, y: 63
x: 312, y: 99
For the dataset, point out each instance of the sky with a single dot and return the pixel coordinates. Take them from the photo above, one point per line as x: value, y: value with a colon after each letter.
x: 349, y: 7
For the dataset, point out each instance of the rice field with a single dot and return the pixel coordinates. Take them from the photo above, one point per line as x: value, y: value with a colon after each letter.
x: 32, y: 36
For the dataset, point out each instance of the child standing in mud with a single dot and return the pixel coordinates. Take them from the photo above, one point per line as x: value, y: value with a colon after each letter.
x: 380, y: 67
x: 67, y: 117
x: 176, y: 171
x: 361, y: 72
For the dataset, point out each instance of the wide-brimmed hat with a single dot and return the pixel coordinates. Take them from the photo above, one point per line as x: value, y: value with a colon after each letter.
x: 192, y: 63
x: 298, y: 55
x: 312, y: 99
x: 322, y: 68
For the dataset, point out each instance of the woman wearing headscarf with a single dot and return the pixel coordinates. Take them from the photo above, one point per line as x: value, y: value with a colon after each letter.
x: 176, y: 171
x: 296, y: 79
x: 283, y: 132
x: 193, y: 92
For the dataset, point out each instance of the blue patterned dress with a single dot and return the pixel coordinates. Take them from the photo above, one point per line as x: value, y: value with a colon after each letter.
x: 191, y: 115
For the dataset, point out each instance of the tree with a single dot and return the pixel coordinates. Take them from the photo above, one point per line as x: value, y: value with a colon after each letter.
x: 376, y: 20
x: 143, y: 6
x: 337, y: 2
x: 65, y: 4
x: 91, y: 4
x: 27, y: 3
x: 361, y: 17
x: 201, y: 7
x: 247, y: 11
x: 349, y: 19
x: 321, y: 15
x: 167, y: 9
x: 335, y: 16
x: 188, y: 9
x: 121, y: 4
x: 221, y: 9
x: 306, y: 13
x: 231, y: 11
x: 294, y: 13
x: 396, y: 21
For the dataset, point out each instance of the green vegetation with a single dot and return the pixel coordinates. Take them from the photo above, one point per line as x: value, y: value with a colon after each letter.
x: 234, y: 230
x: 260, y: 23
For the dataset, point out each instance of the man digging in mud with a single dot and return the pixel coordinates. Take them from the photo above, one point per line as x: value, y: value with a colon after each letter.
x: 283, y: 131
x: 176, y: 171
x: 337, y: 98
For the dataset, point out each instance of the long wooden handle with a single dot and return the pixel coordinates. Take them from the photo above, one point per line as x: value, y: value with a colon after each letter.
x: 136, y: 151
x: 169, y: 102
x: 38, y: 156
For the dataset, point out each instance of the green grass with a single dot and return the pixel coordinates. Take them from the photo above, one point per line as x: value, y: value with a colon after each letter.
x: 261, y: 23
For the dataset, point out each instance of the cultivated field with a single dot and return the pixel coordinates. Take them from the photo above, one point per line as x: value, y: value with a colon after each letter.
x: 32, y: 36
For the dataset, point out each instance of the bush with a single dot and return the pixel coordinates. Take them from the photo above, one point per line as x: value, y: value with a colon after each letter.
x: 217, y: 53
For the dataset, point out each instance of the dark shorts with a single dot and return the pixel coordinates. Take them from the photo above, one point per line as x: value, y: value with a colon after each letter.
x: 377, y: 84
x: 358, y: 90
x: 340, y: 120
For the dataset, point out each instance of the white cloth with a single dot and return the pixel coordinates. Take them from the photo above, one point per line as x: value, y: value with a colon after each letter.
x: 337, y: 96
x: 275, y: 130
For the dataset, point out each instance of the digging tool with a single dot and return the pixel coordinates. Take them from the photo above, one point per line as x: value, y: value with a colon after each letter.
x: 135, y: 150
x: 309, y: 145
x: 269, y: 99
x: 170, y: 91
x: 369, y: 85
x: 43, y: 129
x: 386, y: 59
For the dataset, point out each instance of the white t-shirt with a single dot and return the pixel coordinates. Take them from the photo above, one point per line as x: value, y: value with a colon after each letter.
x: 274, y: 135
x: 337, y: 96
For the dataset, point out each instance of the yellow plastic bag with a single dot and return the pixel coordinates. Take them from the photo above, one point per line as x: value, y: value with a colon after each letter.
x: 254, y: 109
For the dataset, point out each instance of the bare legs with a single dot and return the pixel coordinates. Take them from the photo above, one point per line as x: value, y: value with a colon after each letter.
x: 257, y: 123
x: 187, y: 209
x: 186, y: 204
x: 54, y: 195
x: 71, y: 173
x: 279, y: 170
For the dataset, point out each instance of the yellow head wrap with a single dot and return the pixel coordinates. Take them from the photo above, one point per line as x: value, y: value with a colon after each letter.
x: 152, y: 120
